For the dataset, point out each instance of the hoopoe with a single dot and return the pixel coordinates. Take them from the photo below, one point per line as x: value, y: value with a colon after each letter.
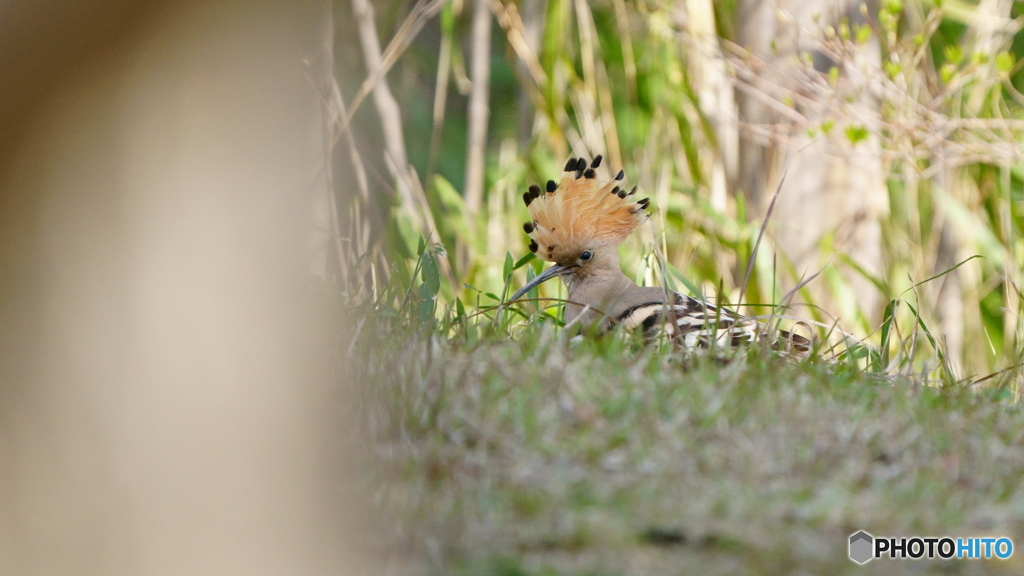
x: 578, y: 224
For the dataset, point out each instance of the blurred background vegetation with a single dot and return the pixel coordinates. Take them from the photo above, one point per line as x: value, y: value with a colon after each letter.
x: 895, y: 126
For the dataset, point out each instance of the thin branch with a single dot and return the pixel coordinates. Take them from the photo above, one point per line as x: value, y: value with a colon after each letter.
x: 421, y: 12
x: 391, y: 117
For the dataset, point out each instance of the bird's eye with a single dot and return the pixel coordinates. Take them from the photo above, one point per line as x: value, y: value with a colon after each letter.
x: 586, y: 255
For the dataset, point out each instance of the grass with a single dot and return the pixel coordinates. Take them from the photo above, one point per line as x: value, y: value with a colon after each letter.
x: 627, y: 79
x: 542, y: 456
x: 500, y: 448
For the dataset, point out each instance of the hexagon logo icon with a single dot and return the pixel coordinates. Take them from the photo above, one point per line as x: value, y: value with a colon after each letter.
x: 861, y: 547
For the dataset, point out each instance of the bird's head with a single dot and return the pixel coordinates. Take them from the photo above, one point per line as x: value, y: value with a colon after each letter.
x: 578, y: 223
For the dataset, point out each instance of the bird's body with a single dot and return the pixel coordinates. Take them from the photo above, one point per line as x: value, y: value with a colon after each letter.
x: 578, y: 224
x: 611, y: 299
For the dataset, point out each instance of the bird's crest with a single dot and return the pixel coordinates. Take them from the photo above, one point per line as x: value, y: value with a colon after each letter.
x: 578, y: 209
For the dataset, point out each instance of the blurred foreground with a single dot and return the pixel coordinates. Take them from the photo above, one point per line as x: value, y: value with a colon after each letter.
x: 167, y: 405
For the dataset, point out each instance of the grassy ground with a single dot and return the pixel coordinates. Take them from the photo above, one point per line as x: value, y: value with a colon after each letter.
x: 519, y: 453
x: 539, y: 456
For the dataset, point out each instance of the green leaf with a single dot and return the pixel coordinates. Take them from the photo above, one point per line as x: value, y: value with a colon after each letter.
x: 953, y: 53
x: 431, y: 276
x: 892, y: 69
x: 863, y: 34
x: 928, y: 334
x: 947, y: 72
x: 530, y: 275
x: 426, y: 306
x: 426, y: 311
x: 888, y: 318
x: 508, y: 265
x: 887, y: 19
x: 1005, y: 62
x: 424, y: 292
x: 944, y: 272
x: 856, y: 134
x: 858, y: 352
x: 403, y: 232
x: 524, y: 260
x: 452, y: 216
x: 641, y: 271
x: 694, y: 291
x: 422, y: 246
x: 864, y: 272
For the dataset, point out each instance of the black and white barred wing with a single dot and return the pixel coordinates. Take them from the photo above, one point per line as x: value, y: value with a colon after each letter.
x: 697, y: 324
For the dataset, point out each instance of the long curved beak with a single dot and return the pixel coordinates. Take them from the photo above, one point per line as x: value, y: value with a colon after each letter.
x: 541, y: 278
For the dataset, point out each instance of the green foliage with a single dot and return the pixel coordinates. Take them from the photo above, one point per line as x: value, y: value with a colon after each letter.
x: 615, y: 78
x: 857, y: 134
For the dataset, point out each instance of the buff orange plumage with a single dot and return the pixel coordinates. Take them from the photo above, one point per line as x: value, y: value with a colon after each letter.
x: 579, y: 209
